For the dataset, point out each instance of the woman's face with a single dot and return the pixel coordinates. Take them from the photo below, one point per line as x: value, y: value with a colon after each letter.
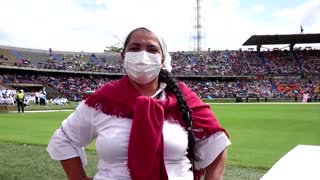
x: 142, y: 40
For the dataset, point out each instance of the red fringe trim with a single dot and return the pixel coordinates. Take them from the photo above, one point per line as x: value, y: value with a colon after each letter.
x: 111, y: 109
x: 118, y: 99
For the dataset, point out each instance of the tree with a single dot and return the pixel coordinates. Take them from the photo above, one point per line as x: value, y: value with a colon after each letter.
x: 118, y: 47
x: 113, y: 49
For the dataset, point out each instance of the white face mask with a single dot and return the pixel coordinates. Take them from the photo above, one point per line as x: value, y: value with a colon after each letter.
x: 142, y: 67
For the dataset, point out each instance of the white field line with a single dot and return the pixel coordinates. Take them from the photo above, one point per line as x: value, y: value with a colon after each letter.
x: 271, y: 103
x: 38, y: 111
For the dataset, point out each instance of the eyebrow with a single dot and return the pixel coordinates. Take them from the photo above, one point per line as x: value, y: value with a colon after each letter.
x: 134, y: 44
x: 152, y: 45
x: 149, y: 46
x: 155, y: 47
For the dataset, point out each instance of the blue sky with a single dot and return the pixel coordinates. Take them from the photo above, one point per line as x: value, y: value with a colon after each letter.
x: 272, y: 4
x: 90, y: 25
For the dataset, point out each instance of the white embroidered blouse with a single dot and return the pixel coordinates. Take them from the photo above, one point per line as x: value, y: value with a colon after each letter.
x: 112, y: 137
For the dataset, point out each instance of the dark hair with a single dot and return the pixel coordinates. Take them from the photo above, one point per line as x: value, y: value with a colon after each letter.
x: 172, y: 86
x: 126, y: 42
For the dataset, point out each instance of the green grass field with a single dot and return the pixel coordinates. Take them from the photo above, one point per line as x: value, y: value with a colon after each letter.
x: 260, y: 135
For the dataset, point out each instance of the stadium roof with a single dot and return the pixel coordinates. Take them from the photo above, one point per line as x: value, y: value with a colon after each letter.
x: 282, y: 39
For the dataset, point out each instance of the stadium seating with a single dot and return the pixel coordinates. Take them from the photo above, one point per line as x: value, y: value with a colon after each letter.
x: 7, y: 58
x: 211, y: 65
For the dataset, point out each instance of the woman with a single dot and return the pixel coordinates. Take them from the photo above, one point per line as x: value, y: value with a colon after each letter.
x: 146, y: 125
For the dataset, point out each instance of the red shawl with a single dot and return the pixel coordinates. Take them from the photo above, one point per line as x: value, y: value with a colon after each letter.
x: 145, y: 150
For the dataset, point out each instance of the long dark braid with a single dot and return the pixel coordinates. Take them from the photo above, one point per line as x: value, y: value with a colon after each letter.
x: 172, y: 85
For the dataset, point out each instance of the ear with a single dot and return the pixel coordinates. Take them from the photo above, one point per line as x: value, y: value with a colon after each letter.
x: 122, y: 57
x: 162, y: 63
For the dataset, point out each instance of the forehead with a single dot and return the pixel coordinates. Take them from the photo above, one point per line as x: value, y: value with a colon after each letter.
x: 142, y: 37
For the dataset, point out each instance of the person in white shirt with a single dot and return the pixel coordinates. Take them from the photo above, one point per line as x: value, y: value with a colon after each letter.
x: 37, y: 95
x: 305, y: 97
x: 146, y: 125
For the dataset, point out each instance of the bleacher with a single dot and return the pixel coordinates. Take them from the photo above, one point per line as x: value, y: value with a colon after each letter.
x: 35, y: 58
x: 213, y: 63
x: 281, y: 62
x: 310, y: 60
x: 212, y: 74
x: 7, y: 58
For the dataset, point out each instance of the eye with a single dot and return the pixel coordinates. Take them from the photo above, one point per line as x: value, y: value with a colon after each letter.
x: 153, y: 51
x: 134, y: 49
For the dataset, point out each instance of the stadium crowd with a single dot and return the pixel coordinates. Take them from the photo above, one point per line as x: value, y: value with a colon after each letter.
x: 185, y: 64
x: 74, y: 86
x: 205, y: 63
x: 310, y: 60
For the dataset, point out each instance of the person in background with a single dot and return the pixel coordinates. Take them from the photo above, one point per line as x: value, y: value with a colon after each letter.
x: 305, y: 97
x: 296, y: 94
x: 146, y: 125
x: 20, y: 101
x: 37, y: 94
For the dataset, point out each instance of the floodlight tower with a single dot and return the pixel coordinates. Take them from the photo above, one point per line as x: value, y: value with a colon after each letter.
x: 197, y: 27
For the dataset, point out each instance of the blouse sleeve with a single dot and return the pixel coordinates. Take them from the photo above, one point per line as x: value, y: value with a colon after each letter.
x: 76, y: 132
x: 208, y: 149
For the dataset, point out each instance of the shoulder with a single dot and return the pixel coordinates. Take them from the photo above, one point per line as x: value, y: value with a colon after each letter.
x: 183, y: 86
x: 186, y: 90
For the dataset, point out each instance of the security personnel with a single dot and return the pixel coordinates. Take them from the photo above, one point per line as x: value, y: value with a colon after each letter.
x: 20, y: 101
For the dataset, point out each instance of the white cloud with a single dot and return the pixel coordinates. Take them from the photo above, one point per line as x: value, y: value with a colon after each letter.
x: 43, y: 24
x: 65, y: 25
x: 75, y: 25
x: 258, y: 8
x: 230, y: 26
x: 312, y: 14
x: 307, y: 15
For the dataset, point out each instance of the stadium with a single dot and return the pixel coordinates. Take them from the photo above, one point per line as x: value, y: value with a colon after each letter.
x: 276, y: 75
x: 265, y: 94
x: 257, y: 95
